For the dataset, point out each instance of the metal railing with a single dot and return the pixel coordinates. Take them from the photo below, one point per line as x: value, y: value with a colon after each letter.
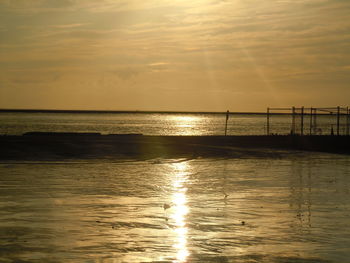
x: 338, y: 120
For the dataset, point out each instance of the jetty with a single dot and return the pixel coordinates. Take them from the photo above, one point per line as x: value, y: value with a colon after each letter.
x: 311, y: 121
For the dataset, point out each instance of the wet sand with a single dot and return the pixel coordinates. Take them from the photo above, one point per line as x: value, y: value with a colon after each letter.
x: 132, y: 198
x: 245, y: 210
x: 48, y: 146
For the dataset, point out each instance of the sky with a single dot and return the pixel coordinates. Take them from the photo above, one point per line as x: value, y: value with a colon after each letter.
x: 176, y: 55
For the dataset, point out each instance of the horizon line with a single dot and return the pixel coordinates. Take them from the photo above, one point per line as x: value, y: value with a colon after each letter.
x: 123, y: 111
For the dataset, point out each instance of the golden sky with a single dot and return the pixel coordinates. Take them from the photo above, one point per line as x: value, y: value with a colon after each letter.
x: 198, y: 55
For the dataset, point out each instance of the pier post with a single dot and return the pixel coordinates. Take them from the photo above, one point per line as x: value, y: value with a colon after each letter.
x: 293, y: 121
x: 268, y: 121
x: 311, y: 110
x: 314, y: 126
x: 227, y: 116
x: 302, y: 121
x: 347, y: 121
x: 338, y: 119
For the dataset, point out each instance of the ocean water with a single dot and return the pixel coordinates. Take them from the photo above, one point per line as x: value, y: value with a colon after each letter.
x: 160, y: 123
x: 285, y: 208
x: 292, y: 209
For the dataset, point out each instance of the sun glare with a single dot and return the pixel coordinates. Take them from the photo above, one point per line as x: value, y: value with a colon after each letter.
x: 185, y: 119
x: 186, y: 125
x: 180, y: 210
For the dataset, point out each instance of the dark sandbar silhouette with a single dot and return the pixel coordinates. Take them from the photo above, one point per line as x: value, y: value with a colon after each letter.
x: 47, y: 146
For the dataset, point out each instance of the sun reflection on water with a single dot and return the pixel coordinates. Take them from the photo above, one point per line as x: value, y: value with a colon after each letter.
x: 180, y: 210
x: 186, y: 125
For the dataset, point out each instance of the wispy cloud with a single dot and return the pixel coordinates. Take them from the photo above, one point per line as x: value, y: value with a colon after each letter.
x: 70, y: 25
x: 218, y: 45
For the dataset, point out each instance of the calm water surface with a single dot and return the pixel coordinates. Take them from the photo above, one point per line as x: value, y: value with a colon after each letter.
x: 294, y: 209
x: 157, y: 123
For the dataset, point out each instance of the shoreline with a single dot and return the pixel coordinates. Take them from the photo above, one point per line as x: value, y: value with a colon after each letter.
x: 60, y: 146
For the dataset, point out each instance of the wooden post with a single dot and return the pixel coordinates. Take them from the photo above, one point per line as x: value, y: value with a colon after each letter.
x: 347, y: 121
x: 302, y: 121
x: 293, y: 121
x: 311, y: 110
x: 314, y: 126
x: 268, y: 121
x: 338, y: 119
x: 227, y: 116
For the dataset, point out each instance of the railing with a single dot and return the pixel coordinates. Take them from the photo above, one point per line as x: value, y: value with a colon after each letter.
x: 338, y: 120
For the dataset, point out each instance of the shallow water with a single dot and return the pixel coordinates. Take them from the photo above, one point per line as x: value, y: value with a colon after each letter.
x: 17, y: 123
x: 294, y: 209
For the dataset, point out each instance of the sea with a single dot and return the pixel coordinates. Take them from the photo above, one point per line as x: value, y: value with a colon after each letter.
x: 287, y: 208
x: 17, y: 123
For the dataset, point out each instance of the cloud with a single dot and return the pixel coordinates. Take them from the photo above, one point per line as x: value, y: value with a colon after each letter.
x: 125, y: 73
x: 159, y: 66
x: 27, y: 77
x: 275, y: 44
x: 35, y: 6
x: 64, y: 26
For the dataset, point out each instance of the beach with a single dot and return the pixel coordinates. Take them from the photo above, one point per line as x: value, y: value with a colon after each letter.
x: 92, y: 197
x: 209, y: 131
x: 293, y: 208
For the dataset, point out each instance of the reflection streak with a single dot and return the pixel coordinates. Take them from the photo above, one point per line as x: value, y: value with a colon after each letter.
x: 186, y: 125
x: 180, y: 210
